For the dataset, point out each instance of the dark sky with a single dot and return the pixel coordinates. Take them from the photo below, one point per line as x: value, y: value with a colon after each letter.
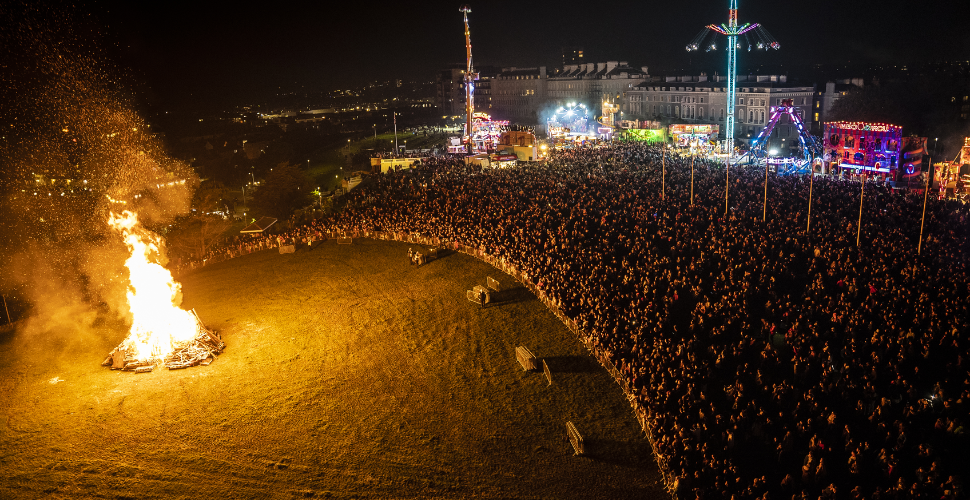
x: 244, y: 50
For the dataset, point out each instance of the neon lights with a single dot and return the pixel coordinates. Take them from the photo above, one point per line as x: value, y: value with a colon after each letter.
x: 868, y: 127
x: 732, y: 30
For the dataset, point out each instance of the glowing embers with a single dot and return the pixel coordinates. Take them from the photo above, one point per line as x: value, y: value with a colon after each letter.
x: 161, y: 332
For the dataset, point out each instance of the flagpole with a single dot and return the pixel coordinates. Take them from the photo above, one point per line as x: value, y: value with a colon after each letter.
x: 396, y: 151
x: 727, y: 182
x: 811, y: 181
x: 692, y: 179
x: 926, y: 192
x: 858, y: 233
x: 663, y: 177
x: 764, y: 211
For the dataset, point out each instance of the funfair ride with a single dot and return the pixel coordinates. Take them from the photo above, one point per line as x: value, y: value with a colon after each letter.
x: 570, y: 122
x: 755, y: 37
x: 809, y: 149
x: 486, y: 132
x: 470, y: 78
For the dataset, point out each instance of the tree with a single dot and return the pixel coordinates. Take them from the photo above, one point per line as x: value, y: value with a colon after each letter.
x: 868, y: 104
x: 276, y: 152
x: 198, y: 232
x: 921, y: 105
x: 285, y: 189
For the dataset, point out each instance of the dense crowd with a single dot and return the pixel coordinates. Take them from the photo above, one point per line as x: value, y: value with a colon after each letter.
x: 771, y: 362
x: 290, y: 232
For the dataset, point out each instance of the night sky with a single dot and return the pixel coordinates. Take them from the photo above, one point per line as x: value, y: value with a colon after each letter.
x: 186, y: 52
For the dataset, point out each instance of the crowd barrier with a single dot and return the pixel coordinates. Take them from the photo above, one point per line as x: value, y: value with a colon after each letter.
x: 575, y: 438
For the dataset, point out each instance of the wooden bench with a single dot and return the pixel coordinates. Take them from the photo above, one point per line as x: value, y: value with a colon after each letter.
x: 526, y: 358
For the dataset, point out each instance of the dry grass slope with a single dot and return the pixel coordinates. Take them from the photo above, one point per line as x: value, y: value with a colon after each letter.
x: 348, y: 374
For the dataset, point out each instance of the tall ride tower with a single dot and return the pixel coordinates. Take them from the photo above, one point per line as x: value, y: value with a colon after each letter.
x: 755, y: 36
x: 470, y: 78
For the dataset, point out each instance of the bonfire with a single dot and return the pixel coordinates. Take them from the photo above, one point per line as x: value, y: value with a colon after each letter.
x: 161, y: 331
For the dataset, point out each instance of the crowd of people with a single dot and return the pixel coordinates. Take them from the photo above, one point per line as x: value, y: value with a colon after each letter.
x: 770, y: 361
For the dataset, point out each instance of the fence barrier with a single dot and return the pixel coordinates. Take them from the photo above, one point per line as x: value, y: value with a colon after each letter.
x: 492, y: 283
x: 575, y: 439
x: 479, y: 289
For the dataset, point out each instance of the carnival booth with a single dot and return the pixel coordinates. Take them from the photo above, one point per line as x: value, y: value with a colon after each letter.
x: 648, y: 135
x: 520, y: 143
x: 855, y: 148
x: 486, y: 131
x: 952, y: 178
x: 700, y: 137
x: 503, y: 160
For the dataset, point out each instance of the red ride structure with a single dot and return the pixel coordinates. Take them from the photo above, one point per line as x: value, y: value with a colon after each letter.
x: 858, y: 148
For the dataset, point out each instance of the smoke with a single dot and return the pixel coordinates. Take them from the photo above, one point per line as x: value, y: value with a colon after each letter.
x: 73, y: 149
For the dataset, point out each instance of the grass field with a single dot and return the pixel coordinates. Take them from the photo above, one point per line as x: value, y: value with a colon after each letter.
x: 348, y: 373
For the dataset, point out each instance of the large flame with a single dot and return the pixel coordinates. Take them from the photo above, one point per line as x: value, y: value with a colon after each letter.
x: 153, y: 295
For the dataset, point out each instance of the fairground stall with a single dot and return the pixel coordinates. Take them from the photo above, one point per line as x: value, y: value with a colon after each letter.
x: 700, y: 137
x: 521, y: 143
x: 952, y: 178
x: 455, y: 146
x: 855, y: 148
x: 492, y: 160
x: 648, y: 135
x: 640, y: 131
x: 486, y: 131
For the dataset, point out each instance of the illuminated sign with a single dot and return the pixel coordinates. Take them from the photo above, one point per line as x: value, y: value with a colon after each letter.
x: 866, y: 127
x: 646, y: 135
x: 681, y: 129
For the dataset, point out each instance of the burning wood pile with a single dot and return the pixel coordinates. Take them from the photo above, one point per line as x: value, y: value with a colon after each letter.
x: 161, y: 331
x: 200, y: 350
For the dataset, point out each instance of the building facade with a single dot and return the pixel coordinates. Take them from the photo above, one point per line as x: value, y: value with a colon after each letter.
x: 699, y: 99
x: 518, y: 94
x: 825, y: 99
x: 526, y: 95
x: 593, y: 83
x: 450, y: 91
